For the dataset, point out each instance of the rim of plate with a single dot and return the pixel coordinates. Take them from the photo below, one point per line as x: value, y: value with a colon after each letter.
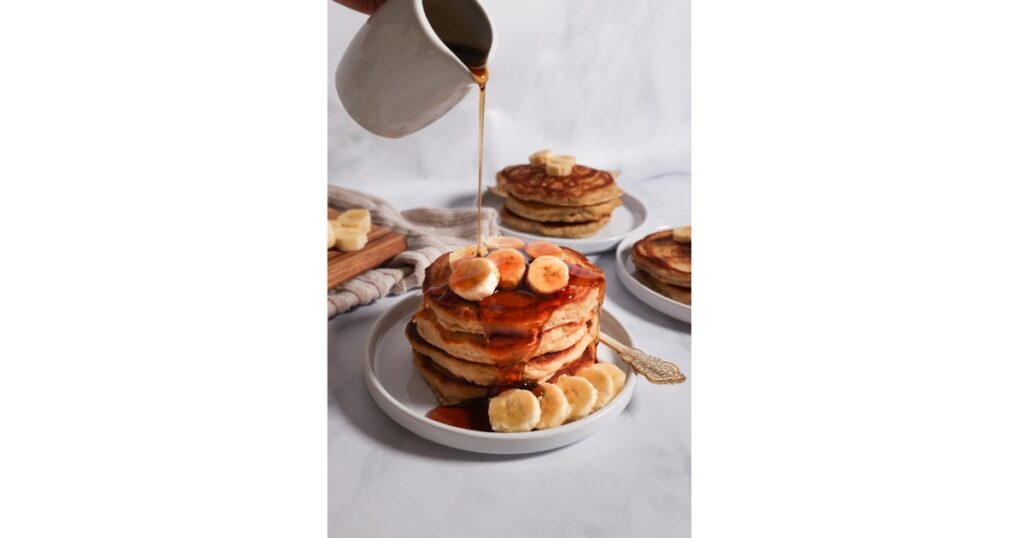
x: 620, y: 263
x: 629, y: 202
x: 371, y: 377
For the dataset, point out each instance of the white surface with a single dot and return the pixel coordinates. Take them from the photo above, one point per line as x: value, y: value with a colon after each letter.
x: 626, y: 218
x: 613, y: 108
x: 401, y: 393
x: 624, y: 268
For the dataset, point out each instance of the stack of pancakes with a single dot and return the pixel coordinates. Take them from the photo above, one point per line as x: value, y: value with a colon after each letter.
x: 575, y: 205
x: 663, y: 263
x: 467, y: 350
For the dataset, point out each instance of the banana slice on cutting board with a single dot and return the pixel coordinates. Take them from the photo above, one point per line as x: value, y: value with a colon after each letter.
x: 602, y: 382
x: 330, y: 235
x: 547, y: 274
x: 514, y: 410
x: 580, y: 394
x: 348, y: 239
x: 474, y: 278
x: 355, y: 218
x: 554, y: 407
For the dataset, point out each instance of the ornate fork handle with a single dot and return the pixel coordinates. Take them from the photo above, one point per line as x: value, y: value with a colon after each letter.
x: 654, y: 369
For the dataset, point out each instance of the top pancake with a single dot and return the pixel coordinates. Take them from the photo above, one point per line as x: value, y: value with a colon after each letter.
x: 584, y: 186
x: 664, y: 258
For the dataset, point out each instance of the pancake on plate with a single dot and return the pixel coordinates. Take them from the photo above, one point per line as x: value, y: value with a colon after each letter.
x: 663, y: 262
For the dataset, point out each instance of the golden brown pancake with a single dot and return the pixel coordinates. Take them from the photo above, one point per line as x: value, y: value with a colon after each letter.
x: 571, y: 230
x: 584, y: 186
x: 676, y: 293
x: 664, y: 258
x: 542, y: 212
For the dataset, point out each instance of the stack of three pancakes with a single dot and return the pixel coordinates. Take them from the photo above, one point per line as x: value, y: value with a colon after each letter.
x: 467, y: 350
x: 575, y: 205
x: 663, y: 263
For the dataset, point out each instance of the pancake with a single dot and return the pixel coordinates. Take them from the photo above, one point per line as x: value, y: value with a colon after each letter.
x: 450, y: 390
x: 542, y: 212
x: 456, y: 314
x: 535, y: 370
x: 676, y: 293
x: 582, y: 187
x: 473, y: 347
x: 664, y: 258
x: 571, y: 230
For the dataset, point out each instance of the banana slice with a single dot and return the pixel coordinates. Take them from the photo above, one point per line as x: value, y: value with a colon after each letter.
x: 601, y: 381
x: 474, y: 278
x: 547, y: 274
x: 682, y: 234
x: 554, y: 407
x: 580, y: 394
x: 330, y: 235
x: 515, y: 410
x: 355, y: 218
x: 543, y: 248
x: 495, y: 242
x: 538, y: 158
x: 462, y: 253
x: 559, y: 165
x: 348, y: 239
x: 617, y: 375
x: 511, y: 267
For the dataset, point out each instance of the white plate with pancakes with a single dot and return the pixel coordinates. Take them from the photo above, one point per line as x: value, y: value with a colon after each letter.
x: 625, y: 219
x: 400, y: 391
x: 626, y: 270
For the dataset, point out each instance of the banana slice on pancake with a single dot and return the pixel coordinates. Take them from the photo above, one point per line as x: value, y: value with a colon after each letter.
x: 514, y: 410
x: 511, y: 267
x: 559, y: 165
x: 602, y: 382
x: 461, y: 253
x: 554, y: 407
x: 580, y: 394
x: 474, y: 278
x: 682, y: 234
x: 537, y: 249
x: 538, y: 158
x: 547, y: 274
x: 495, y: 242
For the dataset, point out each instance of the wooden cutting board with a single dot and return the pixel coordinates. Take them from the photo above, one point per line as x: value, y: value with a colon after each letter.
x: 382, y: 244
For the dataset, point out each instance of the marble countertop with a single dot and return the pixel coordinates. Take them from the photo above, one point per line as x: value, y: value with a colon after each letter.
x: 631, y: 479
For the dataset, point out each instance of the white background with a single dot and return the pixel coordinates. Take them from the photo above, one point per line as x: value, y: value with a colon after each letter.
x: 856, y: 183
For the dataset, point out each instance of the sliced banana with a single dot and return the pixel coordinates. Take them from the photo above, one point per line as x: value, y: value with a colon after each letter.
x: 559, y: 165
x: 495, y: 242
x: 348, y: 239
x: 330, y: 235
x: 682, y: 234
x: 474, y: 278
x: 537, y: 249
x: 355, y: 218
x: 511, y: 267
x: 538, y: 158
x: 462, y: 253
x: 601, y: 381
x: 515, y: 410
x: 554, y: 407
x: 547, y: 274
x: 616, y: 373
x: 580, y: 394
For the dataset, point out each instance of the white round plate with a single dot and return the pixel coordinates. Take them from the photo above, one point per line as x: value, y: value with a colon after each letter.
x: 398, y: 389
x: 625, y: 268
x: 626, y: 218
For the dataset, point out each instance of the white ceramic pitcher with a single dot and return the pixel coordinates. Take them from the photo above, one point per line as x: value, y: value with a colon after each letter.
x: 397, y: 75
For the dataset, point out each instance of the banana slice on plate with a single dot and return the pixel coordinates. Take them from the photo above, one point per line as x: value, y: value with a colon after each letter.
x: 682, y: 234
x: 616, y: 373
x: 355, y: 218
x: 511, y: 267
x: 330, y: 235
x: 461, y: 253
x: 349, y: 239
x: 474, y: 278
x: 602, y: 382
x: 554, y: 407
x: 515, y: 410
x: 547, y: 274
x: 537, y: 249
x: 495, y: 242
x: 580, y: 394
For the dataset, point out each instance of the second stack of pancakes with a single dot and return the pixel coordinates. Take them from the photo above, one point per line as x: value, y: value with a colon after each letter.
x: 575, y: 205
x: 467, y: 350
x: 663, y: 262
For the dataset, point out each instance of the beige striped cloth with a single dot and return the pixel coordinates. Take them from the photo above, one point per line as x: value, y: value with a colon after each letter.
x: 429, y: 232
